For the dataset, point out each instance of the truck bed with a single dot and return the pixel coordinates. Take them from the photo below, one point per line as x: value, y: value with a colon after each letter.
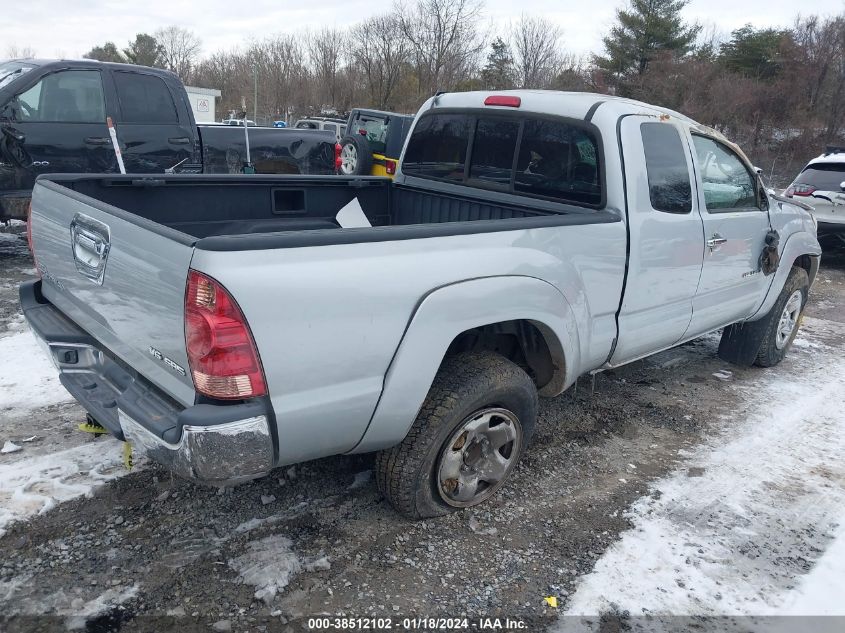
x: 211, y: 209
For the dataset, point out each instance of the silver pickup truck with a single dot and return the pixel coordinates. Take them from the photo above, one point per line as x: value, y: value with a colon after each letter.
x: 228, y: 325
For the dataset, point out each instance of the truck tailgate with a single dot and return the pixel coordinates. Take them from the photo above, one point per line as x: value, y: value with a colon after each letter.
x: 119, y: 277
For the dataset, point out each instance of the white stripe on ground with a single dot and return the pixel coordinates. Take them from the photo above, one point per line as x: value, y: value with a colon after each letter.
x: 35, y: 486
x: 768, y: 509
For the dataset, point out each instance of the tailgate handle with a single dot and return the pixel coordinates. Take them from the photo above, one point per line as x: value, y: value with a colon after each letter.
x: 90, y: 241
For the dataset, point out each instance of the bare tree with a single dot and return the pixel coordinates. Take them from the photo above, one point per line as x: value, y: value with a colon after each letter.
x: 445, y: 41
x: 13, y: 51
x: 325, y: 51
x: 180, y: 49
x: 380, y: 52
x: 534, y: 41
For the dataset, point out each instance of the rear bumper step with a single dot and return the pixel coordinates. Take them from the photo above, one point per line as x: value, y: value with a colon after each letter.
x: 216, y: 444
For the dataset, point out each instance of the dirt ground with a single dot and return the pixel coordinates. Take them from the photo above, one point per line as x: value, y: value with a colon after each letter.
x: 149, y: 552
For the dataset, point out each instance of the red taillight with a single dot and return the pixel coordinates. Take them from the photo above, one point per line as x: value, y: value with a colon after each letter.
x: 800, y: 190
x: 337, y: 161
x: 390, y: 167
x: 503, y: 100
x: 221, y: 352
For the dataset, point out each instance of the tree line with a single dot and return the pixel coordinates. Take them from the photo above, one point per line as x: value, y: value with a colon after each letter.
x: 779, y: 92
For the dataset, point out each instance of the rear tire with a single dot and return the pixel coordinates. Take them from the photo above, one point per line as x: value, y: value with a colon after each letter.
x: 784, y: 319
x: 472, y: 429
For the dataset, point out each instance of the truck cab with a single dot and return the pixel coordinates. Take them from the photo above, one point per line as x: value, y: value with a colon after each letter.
x: 53, y: 120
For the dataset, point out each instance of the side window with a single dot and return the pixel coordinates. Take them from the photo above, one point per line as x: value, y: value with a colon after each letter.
x: 669, y: 186
x: 330, y: 127
x: 492, y: 151
x: 70, y: 96
x: 438, y: 147
x: 727, y: 183
x: 558, y: 160
x: 144, y: 99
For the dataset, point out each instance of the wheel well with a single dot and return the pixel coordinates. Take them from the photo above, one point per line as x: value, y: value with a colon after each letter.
x: 803, y: 261
x: 522, y: 342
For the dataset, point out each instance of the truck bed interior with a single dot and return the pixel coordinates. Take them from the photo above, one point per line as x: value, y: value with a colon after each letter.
x: 204, y: 207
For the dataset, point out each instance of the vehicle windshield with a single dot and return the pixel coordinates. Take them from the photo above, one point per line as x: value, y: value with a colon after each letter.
x: 823, y: 176
x: 9, y: 71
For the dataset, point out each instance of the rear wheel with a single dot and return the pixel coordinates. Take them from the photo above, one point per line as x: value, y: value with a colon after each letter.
x: 784, y: 319
x: 473, y: 427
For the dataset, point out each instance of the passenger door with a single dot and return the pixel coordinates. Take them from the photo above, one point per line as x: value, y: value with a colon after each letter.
x: 155, y: 134
x: 666, y: 238
x: 58, y: 125
x: 735, y: 226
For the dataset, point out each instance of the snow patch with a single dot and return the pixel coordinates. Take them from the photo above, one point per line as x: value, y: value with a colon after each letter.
x: 738, y: 539
x: 36, y: 485
x: 98, y: 606
x: 30, y: 381
x: 361, y: 479
x: 269, y: 566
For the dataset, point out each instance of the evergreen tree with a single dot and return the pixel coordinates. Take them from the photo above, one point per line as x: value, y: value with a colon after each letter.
x: 754, y: 53
x: 106, y: 53
x: 643, y: 30
x: 144, y: 51
x: 498, y: 73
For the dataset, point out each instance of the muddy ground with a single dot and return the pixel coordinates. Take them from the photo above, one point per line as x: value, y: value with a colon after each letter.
x: 149, y: 552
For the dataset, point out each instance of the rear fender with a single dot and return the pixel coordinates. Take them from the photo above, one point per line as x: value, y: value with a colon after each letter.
x: 445, y: 313
x: 797, y: 244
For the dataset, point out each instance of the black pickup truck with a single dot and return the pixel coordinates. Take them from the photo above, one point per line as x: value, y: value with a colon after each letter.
x: 53, y: 120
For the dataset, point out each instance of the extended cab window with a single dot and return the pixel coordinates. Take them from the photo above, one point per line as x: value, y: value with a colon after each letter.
x: 669, y: 186
x: 144, y: 99
x: 728, y: 184
x: 70, y: 96
x: 554, y: 159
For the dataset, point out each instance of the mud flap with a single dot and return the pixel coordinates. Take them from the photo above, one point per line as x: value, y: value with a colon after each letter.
x: 741, y: 342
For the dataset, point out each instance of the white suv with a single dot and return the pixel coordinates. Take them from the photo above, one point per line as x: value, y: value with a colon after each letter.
x: 822, y: 185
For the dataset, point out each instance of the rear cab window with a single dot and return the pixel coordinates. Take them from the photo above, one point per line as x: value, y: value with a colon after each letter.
x: 534, y: 156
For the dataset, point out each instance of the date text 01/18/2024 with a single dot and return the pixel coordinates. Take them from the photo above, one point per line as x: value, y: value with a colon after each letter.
x: 414, y: 624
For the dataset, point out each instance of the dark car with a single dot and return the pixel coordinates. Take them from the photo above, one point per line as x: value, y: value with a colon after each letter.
x: 53, y: 120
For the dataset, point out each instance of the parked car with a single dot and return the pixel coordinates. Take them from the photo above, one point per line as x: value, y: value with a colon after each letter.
x: 374, y: 142
x: 335, y: 126
x: 239, y: 122
x: 53, y: 120
x: 821, y: 184
x: 280, y: 124
x: 227, y: 325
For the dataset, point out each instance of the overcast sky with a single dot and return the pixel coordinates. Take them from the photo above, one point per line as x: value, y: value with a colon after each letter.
x: 62, y: 28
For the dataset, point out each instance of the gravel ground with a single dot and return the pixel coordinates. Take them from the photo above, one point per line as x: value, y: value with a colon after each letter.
x: 149, y: 552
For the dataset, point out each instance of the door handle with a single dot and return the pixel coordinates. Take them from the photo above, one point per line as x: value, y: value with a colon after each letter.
x: 715, y: 242
x: 179, y: 140
x: 97, y: 140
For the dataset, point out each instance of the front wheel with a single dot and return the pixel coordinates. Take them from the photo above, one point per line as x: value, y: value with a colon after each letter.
x: 784, y: 319
x: 471, y: 431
